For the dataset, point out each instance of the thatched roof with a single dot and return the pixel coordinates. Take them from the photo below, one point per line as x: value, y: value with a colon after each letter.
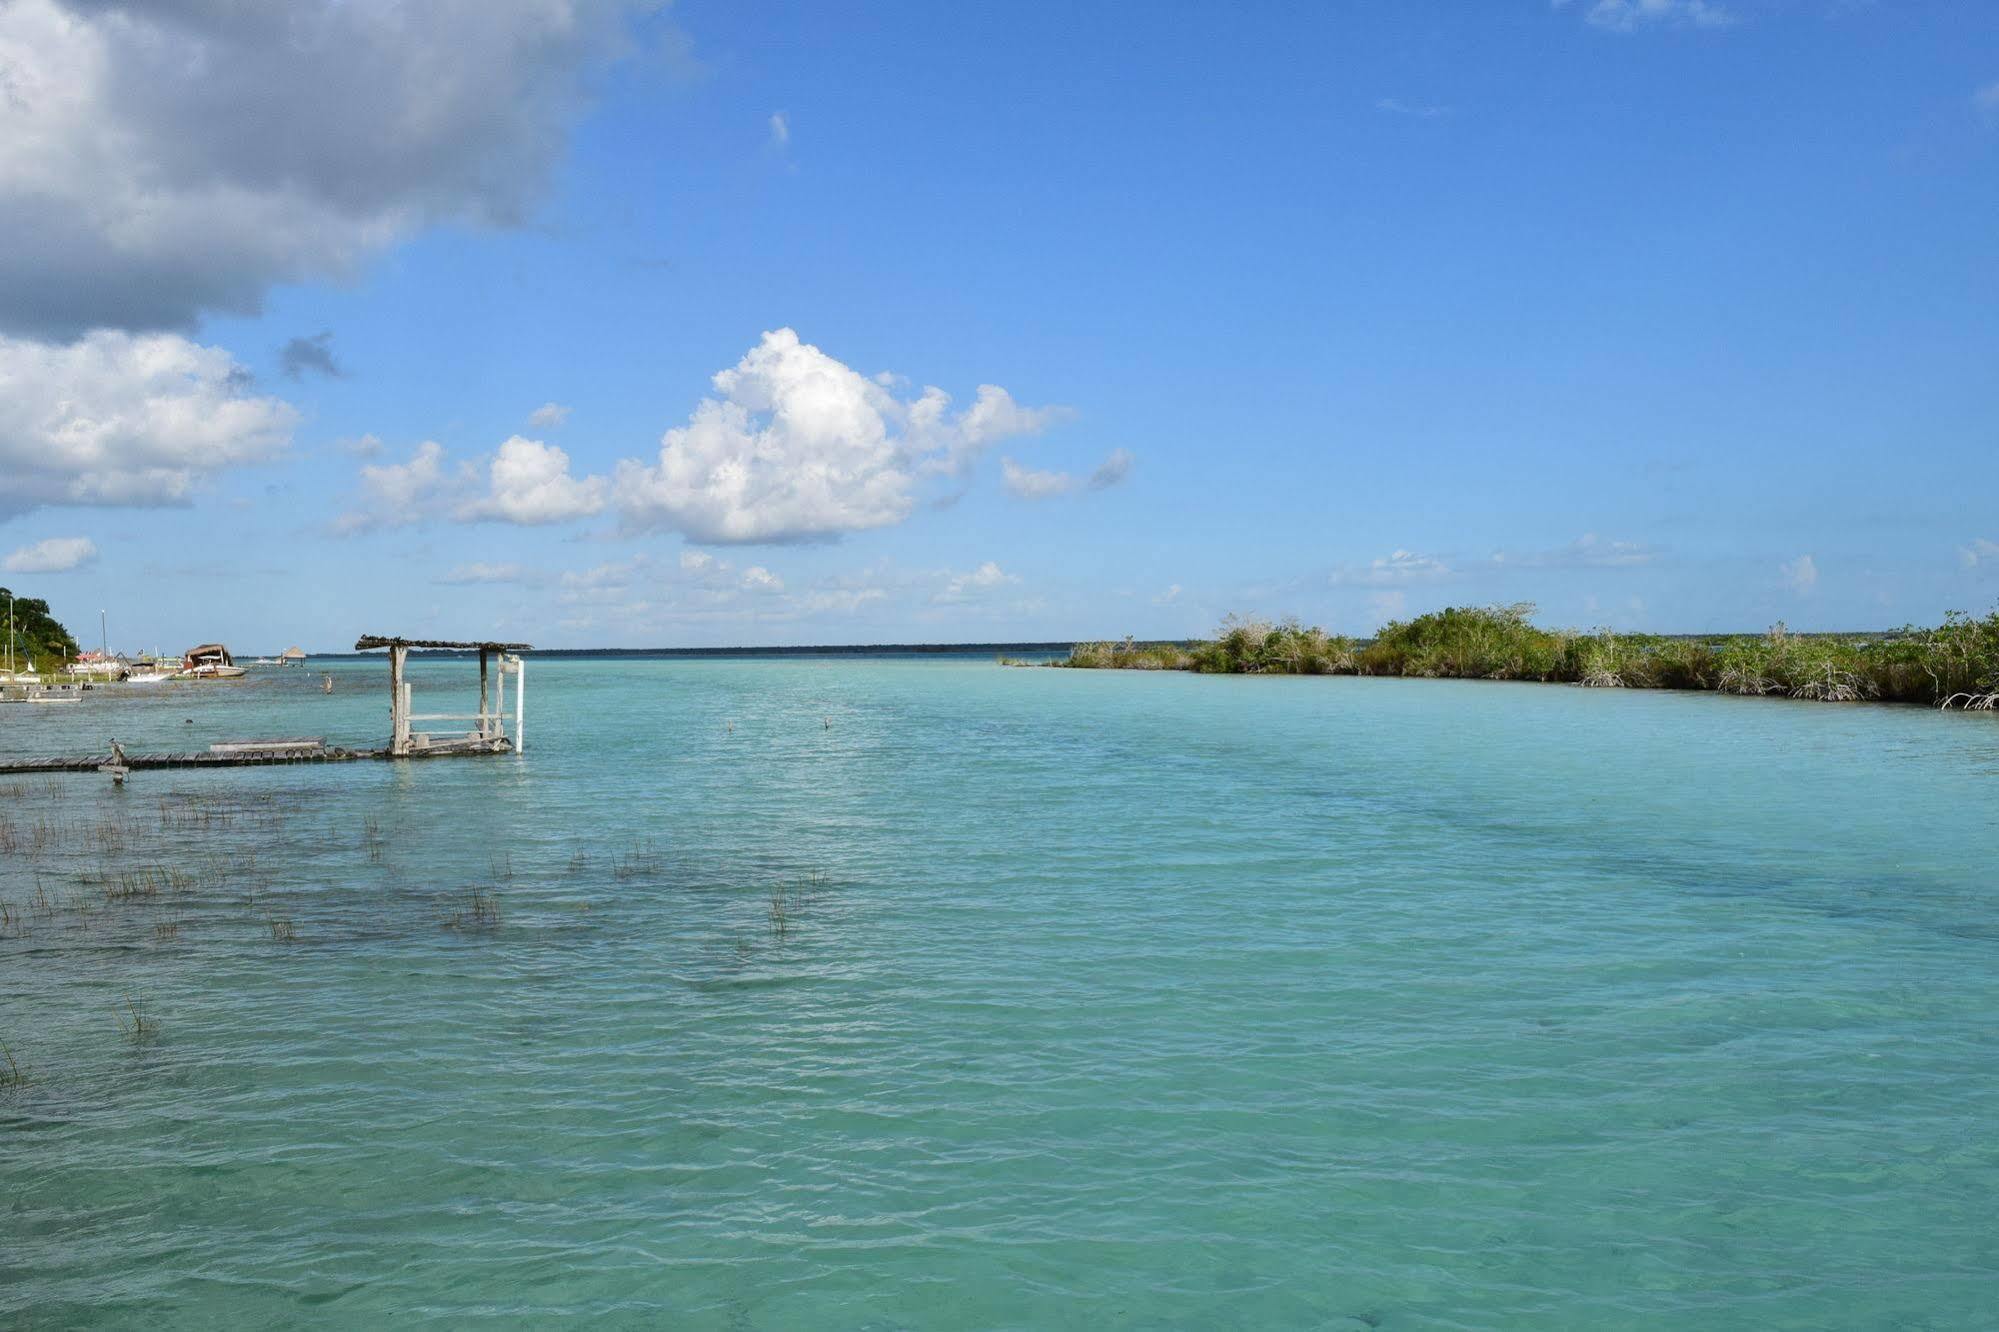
x: 293, y: 653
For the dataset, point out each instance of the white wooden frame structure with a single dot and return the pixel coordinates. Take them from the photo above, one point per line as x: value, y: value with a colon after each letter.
x: 489, y: 732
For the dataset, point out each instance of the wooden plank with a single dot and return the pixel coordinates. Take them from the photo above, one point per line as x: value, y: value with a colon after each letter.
x: 267, y: 746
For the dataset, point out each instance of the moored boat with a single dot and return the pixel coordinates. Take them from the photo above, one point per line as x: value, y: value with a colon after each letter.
x: 97, y: 666
x: 209, y: 661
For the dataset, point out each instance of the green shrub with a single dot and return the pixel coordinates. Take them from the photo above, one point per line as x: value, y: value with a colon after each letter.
x: 1955, y: 663
x: 1473, y: 642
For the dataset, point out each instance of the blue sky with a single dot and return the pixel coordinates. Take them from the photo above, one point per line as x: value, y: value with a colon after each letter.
x: 1661, y: 314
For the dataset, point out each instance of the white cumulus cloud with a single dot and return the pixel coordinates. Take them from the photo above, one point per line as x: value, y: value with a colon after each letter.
x: 124, y: 420
x: 162, y: 158
x: 529, y: 483
x: 797, y: 446
x: 397, y: 494
x: 55, y: 555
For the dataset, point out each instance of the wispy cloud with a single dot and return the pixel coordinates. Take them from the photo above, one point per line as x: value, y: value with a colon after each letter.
x: 1631, y: 15
x: 780, y: 130
x: 1978, y: 551
x: 1588, y: 551
x: 1111, y: 470
x: 313, y: 355
x: 1800, y: 575
x: 1386, y: 606
x: 55, y: 555
x: 548, y: 416
x: 1394, y: 569
x: 1029, y: 484
x: 966, y: 586
x: 1395, y: 106
x: 466, y: 574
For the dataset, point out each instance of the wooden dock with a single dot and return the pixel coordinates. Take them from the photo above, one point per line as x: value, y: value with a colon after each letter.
x: 489, y: 733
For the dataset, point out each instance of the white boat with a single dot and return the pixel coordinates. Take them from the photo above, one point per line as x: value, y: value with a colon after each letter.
x: 210, y: 661
x: 97, y: 666
x: 211, y: 672
x: 148, y: 675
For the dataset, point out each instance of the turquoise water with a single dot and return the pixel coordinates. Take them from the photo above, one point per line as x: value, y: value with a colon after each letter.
x: 1099, y: 1000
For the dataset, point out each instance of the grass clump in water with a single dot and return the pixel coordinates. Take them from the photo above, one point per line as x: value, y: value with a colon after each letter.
x: 481, y: 912
x: 136, y: 1025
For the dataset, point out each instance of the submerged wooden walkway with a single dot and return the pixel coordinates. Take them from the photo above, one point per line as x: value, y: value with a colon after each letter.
x: 143, y: 762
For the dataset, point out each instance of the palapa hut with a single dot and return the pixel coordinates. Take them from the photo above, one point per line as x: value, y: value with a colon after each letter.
x: 292, y: 656
x: 489, y: 732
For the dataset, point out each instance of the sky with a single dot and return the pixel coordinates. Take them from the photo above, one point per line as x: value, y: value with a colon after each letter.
x: 595, y: 323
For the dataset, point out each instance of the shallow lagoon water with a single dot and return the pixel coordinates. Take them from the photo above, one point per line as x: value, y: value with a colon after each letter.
x: 1099, y: 999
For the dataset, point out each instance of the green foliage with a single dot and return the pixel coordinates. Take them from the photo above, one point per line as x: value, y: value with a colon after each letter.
x: 1954, y: 664
x: 38, y: 639
x: 1243, y: 646
x: 1470, y: 642
x: 1128, y: 655
x: 1249, y: 646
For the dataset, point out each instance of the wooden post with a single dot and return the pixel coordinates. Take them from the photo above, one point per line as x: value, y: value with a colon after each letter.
x: 520, y: 704
x: 399, y: 704
x: 500, y: 699
x: 482, y: 692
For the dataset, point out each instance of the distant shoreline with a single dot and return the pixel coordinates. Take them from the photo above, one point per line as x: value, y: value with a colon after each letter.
x: 1061, y: 647
x: 801, y: 650
x: 1954, y: 664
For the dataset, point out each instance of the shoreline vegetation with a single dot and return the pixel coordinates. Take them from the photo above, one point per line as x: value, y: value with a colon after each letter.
x: 1952, y: 665
x: 40, y: 644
